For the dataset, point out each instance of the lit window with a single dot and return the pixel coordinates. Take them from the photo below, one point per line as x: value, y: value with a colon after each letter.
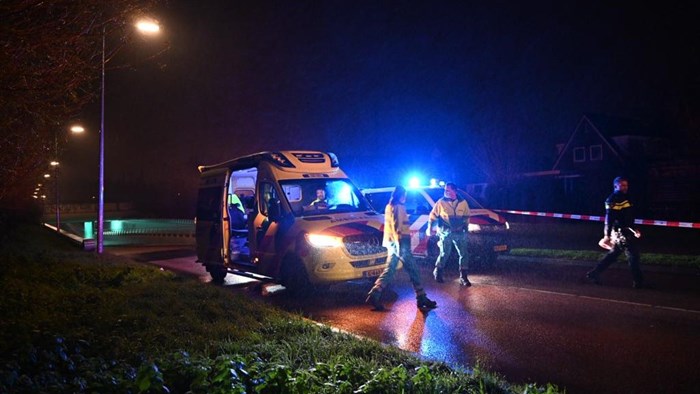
x: 579, y: 154
x: 596, y: 152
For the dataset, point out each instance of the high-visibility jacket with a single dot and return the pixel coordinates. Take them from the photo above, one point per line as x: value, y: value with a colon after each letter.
x: 451, y: 215
x: 396, y: 224
x: 619, y: 215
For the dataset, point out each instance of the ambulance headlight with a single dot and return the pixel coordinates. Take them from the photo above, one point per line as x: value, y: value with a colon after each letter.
x: 323, y: 241
x: 473, y: 228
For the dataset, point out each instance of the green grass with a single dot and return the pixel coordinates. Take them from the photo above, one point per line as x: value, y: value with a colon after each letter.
x: 660, y: 259
x: 73, y: 321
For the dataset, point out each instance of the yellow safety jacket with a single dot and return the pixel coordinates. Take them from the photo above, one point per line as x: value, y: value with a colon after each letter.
x: 396, y: 224
x: 451, y: 215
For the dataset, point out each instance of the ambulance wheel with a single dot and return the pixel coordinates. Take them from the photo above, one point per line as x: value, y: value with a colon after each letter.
x: 294, y: 277
x: 218, y: 274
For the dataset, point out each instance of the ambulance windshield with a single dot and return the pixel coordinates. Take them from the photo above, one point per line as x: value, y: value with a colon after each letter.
x: 314, y: 196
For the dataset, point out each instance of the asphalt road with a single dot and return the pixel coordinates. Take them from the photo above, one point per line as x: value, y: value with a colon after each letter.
x: 527, y: 320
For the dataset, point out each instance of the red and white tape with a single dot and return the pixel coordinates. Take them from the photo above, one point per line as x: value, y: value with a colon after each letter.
x: 650, y: 222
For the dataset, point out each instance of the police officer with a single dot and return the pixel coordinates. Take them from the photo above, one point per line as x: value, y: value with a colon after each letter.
x: 452, y: 216
x: 397, y: 240
x: 619, y: 234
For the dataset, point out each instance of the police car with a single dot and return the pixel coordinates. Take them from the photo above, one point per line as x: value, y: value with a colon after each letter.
x: 488, y: 231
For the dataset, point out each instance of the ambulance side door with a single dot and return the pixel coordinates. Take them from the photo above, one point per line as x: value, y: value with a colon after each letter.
x: 263, y: 227
x: 210, y: 214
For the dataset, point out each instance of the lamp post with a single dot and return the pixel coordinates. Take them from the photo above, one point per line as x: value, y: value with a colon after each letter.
x: 148, y: 27
x: 55, y: 163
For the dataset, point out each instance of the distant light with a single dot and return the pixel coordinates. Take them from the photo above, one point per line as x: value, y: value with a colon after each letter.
x: 35, y: 196
x: 77, y: 129
x: 47, y: 176
x: 442, y: 183
x: 87, y: 230
x: 414, y: 182
x: 43, y: 196
x: 433, y: 182
x: 37, y: 189
x: 38, y: 184
x: 54, y: 163
x: 148, y: 27
x: 116, y: 226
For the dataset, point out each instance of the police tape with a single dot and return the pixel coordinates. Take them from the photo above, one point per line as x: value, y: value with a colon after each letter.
x: 649, y: 222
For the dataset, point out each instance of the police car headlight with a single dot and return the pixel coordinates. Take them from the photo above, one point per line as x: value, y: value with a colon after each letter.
x: 324, y: 241
x: 473, y: 228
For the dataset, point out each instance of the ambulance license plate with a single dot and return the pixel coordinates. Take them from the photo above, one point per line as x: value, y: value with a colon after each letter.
x: 500, y: 248
x: 372, y: 273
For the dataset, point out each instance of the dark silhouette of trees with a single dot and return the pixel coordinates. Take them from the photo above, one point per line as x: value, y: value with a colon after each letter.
x: 50, y: 57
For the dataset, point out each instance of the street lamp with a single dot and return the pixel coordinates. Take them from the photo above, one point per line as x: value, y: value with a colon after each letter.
x: 75, y: 129
x: 147, y: 27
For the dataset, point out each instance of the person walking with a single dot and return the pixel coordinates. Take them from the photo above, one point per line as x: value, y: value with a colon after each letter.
x: 619, y: 235
x: 397, y: 240
x: 451, y: 213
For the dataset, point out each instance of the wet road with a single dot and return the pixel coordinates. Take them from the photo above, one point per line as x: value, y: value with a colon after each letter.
x: 529, y: 321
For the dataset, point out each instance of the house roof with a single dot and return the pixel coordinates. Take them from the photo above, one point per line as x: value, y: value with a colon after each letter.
x: 607, y: 127
x: 614, y: 126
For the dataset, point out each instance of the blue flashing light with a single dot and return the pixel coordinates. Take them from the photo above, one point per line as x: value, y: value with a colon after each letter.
x: 414, y: 182
x: 334, y: 159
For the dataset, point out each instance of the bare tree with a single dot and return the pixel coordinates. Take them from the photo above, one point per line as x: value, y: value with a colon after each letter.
x: 51, y: 55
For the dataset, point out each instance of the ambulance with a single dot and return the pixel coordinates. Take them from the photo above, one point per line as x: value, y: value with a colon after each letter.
x: 488, y: 231
x: 304, y: 223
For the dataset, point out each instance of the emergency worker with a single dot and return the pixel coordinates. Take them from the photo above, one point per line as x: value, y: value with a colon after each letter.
x: 320, y: 202
x: 237, y: 217
x: 619, y: 235
x: 397, y: 240
x: 451, y: 213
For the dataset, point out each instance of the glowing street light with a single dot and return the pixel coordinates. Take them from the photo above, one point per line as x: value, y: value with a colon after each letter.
x: 75, y: 129
x: 149, y: 27
x: 47, y: 176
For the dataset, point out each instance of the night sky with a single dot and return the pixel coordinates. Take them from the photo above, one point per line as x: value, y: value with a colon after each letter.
x: 389, y: 86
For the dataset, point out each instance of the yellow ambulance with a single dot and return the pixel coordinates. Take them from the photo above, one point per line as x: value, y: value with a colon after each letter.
x: 290, y: 216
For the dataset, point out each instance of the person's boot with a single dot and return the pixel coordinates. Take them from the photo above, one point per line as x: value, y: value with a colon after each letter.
x: 423, y: 302
x: 437, y: 274
x: 374, y: 299
x: 463, y: 279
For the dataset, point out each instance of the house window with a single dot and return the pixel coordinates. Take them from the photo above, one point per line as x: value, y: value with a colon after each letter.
x: 596, y: 152
x: 579, y: 154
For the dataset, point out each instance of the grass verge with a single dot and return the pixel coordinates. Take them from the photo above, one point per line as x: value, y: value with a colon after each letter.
x: 77, y: 322
x: 660, y: 259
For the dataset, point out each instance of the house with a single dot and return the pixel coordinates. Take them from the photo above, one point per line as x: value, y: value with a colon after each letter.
x: 602, y: 147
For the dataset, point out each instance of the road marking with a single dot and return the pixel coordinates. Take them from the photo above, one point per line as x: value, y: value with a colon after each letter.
x: 670, y: 308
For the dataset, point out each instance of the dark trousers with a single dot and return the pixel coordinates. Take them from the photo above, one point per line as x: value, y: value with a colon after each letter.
x: 631, y: 251
x: 400, y: 251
